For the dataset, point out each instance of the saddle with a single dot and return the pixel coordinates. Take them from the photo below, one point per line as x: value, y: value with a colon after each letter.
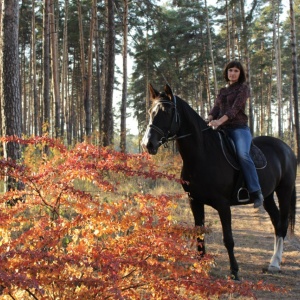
x: 229, y: 151
x: 241, y: 194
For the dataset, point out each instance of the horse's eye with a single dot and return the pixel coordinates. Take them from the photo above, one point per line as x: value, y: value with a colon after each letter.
x: 166, y: 109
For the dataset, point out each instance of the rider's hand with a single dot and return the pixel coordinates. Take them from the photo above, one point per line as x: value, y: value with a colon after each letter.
x: 214, y: 124
x: 209, y: 119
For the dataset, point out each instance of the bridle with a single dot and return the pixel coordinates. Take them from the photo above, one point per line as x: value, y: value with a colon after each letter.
x: 167, y: 136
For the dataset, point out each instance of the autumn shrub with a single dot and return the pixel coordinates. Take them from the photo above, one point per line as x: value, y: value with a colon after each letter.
x: 81, y: 233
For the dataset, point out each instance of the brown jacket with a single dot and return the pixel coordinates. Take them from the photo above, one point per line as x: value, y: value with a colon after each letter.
x: 231, y: 101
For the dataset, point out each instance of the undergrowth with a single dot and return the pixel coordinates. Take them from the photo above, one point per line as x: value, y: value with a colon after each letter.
x: 98, y: 224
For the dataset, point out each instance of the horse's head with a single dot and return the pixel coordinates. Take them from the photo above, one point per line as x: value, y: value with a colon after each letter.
x: 164, y: 120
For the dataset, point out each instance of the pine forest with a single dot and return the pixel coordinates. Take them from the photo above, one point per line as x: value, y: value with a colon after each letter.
x: 84, y: 211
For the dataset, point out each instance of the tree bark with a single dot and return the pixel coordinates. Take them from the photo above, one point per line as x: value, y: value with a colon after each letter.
x: 211, y: 52
x: 228, y: 43
x: 295, y: 75
x: 124, y: 89
x: 98, y: 79
x: 64, y: 75
x: 11, y: 83
x: 55, y: 70
x: 245, y: 38
x: 2, y: 119
x: 46, y: 70
x: 2, y: 116
x: 277, y: 48
x: 88, y: 81
x: 83, y: 70
x: 108, y: 126
x: 36, y: 106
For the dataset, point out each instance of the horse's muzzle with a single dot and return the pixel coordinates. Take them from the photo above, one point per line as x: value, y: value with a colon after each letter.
x: 151, y: 148
x: 148, y: 145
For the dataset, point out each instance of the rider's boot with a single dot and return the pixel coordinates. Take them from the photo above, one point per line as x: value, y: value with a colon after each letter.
x: 257, y: 198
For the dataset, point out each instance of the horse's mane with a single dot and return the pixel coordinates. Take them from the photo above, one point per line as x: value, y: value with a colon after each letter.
x: 190, y: 114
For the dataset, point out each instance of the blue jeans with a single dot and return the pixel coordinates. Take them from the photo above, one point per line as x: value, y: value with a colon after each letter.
x: 242, y: 139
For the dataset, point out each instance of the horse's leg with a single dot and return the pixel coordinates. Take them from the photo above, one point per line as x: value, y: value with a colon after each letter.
x: 225, y: 217
x: 275, y: 262
x: 280, y: 223
x: 198, y: 213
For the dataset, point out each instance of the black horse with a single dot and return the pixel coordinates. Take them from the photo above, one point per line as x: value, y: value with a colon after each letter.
x: 210, y: 180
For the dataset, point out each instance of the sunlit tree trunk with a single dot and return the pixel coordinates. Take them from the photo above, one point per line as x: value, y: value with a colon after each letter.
x: 232, y: 30
x: 228, y: 43
x: 269, y: 103
x: 211, y: 52
x: 64, y: 75
x: 82, y: 67
x: 99, y: 83
x: 46, y: 69
x: 262, y: 124
x: 36, y: 106
x: 147, y: 100
x: 295, y: 75
x: 55, y: 69
x: 11, y: 83
x: 108, y: 125
x: 124, y: 87
x: 88, y: 88
x: 2, y: 129
x: 25, y: 103
x: 211, y: 100
x: 2, y: 117
x: 244, y: 44
x: 277, y: 49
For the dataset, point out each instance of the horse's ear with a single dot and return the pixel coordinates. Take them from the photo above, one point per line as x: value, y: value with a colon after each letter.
x: 153, y: 92
x: 169, y: 92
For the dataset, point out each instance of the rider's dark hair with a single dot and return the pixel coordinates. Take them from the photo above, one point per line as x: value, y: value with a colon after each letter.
x: 236, y: 64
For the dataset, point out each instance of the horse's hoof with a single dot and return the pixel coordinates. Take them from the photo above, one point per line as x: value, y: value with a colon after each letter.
x: 273, y: 269
x: 235, y: 277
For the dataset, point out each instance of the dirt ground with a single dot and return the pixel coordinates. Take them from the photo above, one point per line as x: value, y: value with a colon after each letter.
x: 254, y: 240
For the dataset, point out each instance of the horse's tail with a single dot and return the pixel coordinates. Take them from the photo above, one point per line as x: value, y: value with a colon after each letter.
x: 292, y: 214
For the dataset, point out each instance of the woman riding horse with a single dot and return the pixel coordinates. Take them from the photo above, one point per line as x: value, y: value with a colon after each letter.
x: 204, y: 166
x: 229, y: 113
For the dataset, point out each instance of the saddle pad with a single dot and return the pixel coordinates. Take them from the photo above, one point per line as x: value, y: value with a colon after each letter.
x: 229, y: 152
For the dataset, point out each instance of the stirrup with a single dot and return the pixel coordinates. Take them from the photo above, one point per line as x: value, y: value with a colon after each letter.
x: 244, y: 197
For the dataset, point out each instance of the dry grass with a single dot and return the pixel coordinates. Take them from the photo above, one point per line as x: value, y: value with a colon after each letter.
x: 253, y: 235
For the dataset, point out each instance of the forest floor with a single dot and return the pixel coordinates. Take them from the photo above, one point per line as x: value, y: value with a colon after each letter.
x: 254, y: 240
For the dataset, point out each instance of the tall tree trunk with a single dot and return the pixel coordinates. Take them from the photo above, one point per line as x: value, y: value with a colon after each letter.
x: 108, y: 126
x: 88, y: 88
x: 295, y: 75
x: 147, y: 102
x: 26, y: 103
x: 11, y: 83
x: 277, y: 48
x: 269, y: 94
x: 98, y: 79
x: 211, y: 52
x: 2, y: 116
x: 83, y: 66
x: 233, y: 29
x: 64, y: 75
x: 55, y: 71
x: 2, y: 119
x: 46, y: 70
x: 124, y: 88
x: 228, y: 43
x: 245, y: 38
x: 36, y: 106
